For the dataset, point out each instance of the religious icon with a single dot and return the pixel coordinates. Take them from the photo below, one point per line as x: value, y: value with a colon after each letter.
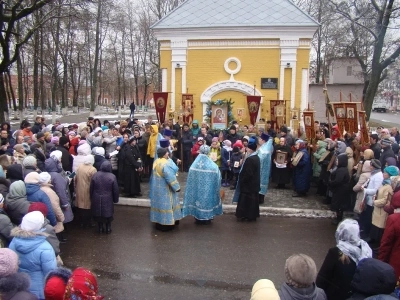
x: 294, y: 115
x: 171, y: 115
x: 160, y: 102
x: 219, y: 119
x: 240, y: 112
x: 340, y: 112
x: 280, y: 111
x: 307, y: 120
x: 281, y: 157
x: 253, y: 107
x: 350, y: 113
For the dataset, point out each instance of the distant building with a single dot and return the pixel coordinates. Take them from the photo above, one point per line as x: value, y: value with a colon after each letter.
x: 344, y: 75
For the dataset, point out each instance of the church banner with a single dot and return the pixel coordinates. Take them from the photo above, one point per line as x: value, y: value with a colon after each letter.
x: 160, y: 101
x: 309, y: 124
x: 187, y: 106
x: 253, y: 103
x: 351, y: 117
x: 340, y: 114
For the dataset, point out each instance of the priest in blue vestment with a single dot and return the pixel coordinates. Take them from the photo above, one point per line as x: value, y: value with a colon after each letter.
x: 265, y: 154
x: 165, y: 208
x: 202, y: 194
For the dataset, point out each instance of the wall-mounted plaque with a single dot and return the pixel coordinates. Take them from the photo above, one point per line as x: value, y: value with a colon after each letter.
x: 269, y: 83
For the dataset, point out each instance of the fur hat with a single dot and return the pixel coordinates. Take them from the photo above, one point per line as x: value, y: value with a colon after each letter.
x: 29, y: 161
x: 300, y: 271
x: 38, y: 206
x: 264, y: 289
x: 376, y: 164
x: 55, y: 283
x: 32, y: 221
x: 44, y: 177
x: 8, y: 262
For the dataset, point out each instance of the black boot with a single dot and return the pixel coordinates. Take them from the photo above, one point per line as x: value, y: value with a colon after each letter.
x: 108, y: 228
x: 100, y: 227
x: 339, y: 217
x: 61, y: 238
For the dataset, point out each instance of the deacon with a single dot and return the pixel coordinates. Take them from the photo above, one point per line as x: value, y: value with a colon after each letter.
x: 264, y: 153
x: 248, y: 187
x: 165, y: 209
x: 202, y: 194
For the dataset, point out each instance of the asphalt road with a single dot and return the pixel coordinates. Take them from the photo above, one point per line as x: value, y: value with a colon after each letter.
x: 220, y: 261
x: 387, y: 119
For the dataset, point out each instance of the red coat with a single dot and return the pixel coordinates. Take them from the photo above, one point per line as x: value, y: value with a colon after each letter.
x: 195, y: 148
x: 389, y: 251
x: 73, y: 143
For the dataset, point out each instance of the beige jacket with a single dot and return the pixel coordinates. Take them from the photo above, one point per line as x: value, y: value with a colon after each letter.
x: 83, y: 177
x: 379, y: 216
x: 55, y: 204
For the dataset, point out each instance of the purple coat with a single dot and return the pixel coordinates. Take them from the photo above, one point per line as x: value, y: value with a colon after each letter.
x: 104, y: 191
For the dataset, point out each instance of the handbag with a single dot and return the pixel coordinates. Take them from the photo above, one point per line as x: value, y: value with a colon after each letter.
x: 359, y: 206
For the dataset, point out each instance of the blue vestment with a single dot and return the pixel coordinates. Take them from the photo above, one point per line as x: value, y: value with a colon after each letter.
x: 165, y: 208
x: 202, y: 194
x: 265, y: 153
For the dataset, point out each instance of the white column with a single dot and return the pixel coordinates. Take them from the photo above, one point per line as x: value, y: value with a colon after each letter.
x: 293, y: 87
x: 281, y: 82
x: 184, y: 79
x: 172, y: 87
x: 164, y: 76
x: 304, y: 89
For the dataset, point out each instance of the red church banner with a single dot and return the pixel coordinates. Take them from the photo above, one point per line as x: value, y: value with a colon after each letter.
x: 253, y: 103
x: 160, y: 101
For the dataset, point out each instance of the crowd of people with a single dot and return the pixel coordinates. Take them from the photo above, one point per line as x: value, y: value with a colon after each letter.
x: 51, y: 174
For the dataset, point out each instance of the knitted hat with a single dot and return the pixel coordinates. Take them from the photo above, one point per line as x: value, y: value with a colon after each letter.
x: 245, y: 138
x: 238, y: 144
x: 200, y: 139
x: 38, y: 206
x: 29, y: 161
x: 32, y: 221
x: 18, y: 147
x: 8, y: 262
x: 300, y: 271
x: 44, y: 177
x: 164, y: 143
x: 32, y: 177
x: 72, y: 133
x: 376, y: 163
x: 55, y: 283
x: 55, y: 139
x: 99, y: 151
x: 63, y: 140
x: 227, y: 143
x: 214, y: 140
x: 264, y: 289
x: 82, y: 284
x: 161, y: 152
x: 57, y: 154
x: 204, y: 149
x: 391, y: 170
x: 386, y: 142
x: 39, y: 135
x: 59, y: 127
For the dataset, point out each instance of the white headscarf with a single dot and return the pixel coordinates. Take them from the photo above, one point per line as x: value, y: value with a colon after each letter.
x: 348, y: 241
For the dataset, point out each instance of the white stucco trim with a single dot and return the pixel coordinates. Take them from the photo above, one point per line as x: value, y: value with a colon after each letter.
x: 281, y: 82
x: 172, y: 86
x: 228, y: 85
x: 178, y: 60
x: 293, y: 88
x: 184, y: 85
x: 164, y: 76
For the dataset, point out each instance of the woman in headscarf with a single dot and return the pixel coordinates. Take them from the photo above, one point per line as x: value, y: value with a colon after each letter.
x: 154, y: 144
x: 341, y: 261
x: 383, y: 197
x: 302, y: 169
x: 281, y: 174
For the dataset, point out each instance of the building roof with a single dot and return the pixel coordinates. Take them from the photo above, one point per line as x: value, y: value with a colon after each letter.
x: 235, y: 13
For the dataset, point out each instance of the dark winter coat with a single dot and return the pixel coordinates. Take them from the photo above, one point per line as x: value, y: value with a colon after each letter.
x: 233, y: 138
x: 142, y: 145
x: 40, y: 155
x: 225, y: 157
x: 372, y: 278
x: 376, y: 148
x: 386, y: 153
x: 302, y: 173
x: 335, y: 277
x: 98, y: 161
x: 339, y: 184
x: 18, y: 172
x: 35, y: 194
x: 4, y: 186
x: 121, y: 162
x: 36, y: 128
x: 61, y: 187
x: 16, y: 287
x: 66, y: 159
x: 5, y: 227
x: 130, y: 175
x: 187, y: 140
x: 281, y: 175
x: 104, y: 191
x: 248, y: 188
x: 51, y: 236
x: 16, y: 204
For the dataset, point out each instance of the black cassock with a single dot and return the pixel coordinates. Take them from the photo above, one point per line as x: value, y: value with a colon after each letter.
x: 130, y: 175
x: 282, y: 175
x: 249, y: 185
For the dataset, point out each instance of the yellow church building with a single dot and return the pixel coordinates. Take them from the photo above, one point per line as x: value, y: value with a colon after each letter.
x: 218, y: 49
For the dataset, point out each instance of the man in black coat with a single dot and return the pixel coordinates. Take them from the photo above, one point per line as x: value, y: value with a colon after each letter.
x: 375, y: 146
x: 387, y: 152
x: 249, y: 185
x: 37, y: 126
x: 132, y: 107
